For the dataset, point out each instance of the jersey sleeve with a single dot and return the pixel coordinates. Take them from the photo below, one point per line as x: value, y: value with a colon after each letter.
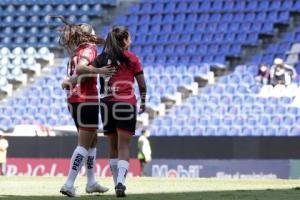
x: 137, y: 66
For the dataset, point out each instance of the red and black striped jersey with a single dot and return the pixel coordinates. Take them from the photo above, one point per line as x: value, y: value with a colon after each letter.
x: 85, y: 91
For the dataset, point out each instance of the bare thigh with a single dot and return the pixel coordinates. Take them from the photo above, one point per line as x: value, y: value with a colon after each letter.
x: 124, y: 139
x: 86, y: 138
x: 113, y: 145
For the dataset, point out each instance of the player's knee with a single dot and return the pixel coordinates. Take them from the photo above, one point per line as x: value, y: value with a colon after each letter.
x: 94, y: 143
x: 123, y: 146
x: 113, y: 154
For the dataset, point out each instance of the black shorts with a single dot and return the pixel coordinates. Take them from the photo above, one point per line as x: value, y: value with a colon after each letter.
x: 118, y: 115
x: 85, y: 115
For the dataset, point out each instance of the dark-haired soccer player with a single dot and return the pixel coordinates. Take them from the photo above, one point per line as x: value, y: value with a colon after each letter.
x: 118, y: 101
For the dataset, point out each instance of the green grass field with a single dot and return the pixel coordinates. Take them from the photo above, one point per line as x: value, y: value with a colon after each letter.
x: 45, y: 188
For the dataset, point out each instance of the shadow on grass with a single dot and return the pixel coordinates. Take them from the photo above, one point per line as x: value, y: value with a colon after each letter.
x: 269, y: 194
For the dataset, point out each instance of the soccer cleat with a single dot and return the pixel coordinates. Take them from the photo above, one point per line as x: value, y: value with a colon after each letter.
x: 68, y: 191
x: 96, y: 188
x: 120, y: 190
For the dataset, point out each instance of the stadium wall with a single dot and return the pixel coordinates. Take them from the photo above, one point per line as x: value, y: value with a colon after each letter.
x: 223, y: 157
x: 178, y: 147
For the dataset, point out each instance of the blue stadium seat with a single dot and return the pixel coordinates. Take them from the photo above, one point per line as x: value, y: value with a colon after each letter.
x: 162, y: 131
x: 237, y: 99
x: 239, y: 120
x: 288, y: 4
x: 283, y: 131
x: 297, y: 5
x: 225, y: 99
x: 276, y: 121
x: 293, y: 110
x: 248, y: 99
x: 272, y: 16
x: 227, y: 120
x: 174, y: 131
x: 251, y: 121
x: 256, y: 108
x: 233, y: 110
x: 154, y: 101
x: 295, y: 131
x: 269, y: 109
x: 186, y: 131
x: 246, y: 131
x: 16, y: 120
x: 210, y: 131
x: 234, y: 131
x: 222, y: 131
x: 198, y: 130
x: 230, y: 89
x: 258, y: 131
x: 271, y: 131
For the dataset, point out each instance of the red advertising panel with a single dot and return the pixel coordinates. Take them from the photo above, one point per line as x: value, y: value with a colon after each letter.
x: 59, y: 167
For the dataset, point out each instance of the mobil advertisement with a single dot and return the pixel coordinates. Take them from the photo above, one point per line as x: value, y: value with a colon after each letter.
x: 228, y: 169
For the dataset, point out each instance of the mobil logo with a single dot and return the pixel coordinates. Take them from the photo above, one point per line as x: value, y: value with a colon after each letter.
x: 190, y: 171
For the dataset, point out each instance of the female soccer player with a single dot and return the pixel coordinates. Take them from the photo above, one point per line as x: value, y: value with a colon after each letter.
x: 118, y: 102
x: 80, y: 41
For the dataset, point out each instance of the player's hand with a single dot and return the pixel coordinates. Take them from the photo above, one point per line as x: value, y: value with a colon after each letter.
x: 148, y: 160
x: 142, y: 108
x: 107, y: 70
x: 66, y: 84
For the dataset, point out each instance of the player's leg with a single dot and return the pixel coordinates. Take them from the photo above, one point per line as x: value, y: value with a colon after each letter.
x: 109, y: 128
x: 80, y: 153
x: 89, y: 113
x: 92, y: 184
x: 124, y: 138
x: 78, y: 159
x: 90, y: 162
x: 113, y: 155
x: 126, y: 124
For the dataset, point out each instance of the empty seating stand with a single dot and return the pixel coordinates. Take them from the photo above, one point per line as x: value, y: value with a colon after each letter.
x: 175, y: 40
x: 195, y: 31
x: 234, y: 106
x: 28, y: 23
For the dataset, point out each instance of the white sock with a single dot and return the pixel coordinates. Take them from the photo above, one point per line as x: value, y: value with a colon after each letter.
x: 123, y: 166
x: 113, y: 163
x: 90, y: 166
x: 77, y: 160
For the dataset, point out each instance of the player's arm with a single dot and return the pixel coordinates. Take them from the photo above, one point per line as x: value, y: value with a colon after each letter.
x: 83, y: 67
x: 139, y: 76
x: 69, y: 82
x: 142, y: 89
